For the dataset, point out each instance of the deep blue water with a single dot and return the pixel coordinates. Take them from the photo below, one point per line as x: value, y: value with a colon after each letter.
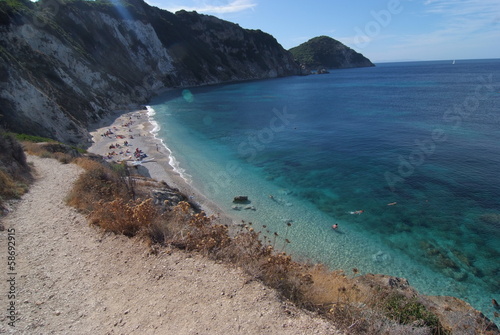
x: 311, y: 150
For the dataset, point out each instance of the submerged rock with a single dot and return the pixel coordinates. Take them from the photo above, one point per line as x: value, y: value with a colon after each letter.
x: 381, y: 257
x: 241, y: 199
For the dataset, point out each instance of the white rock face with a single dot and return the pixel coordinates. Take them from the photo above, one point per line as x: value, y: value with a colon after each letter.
x: 79, y: 76
x: 59, y: 74
x: 155, y: 50
x: 39, y: 108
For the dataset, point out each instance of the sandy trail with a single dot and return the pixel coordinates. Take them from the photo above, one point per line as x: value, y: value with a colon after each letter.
x: 73, y: 279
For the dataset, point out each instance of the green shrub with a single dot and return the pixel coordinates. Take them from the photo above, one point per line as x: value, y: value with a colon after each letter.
x: 32, y: 138
x: 79, y: 150
x: 410, y: 311
x: 15, y: 172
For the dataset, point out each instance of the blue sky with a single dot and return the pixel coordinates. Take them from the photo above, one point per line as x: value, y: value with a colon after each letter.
x: 383, y: 30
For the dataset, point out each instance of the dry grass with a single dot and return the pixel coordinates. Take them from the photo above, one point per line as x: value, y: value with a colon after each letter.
x: 87, y: 163
x: 185, y: 229
x: 61, y: 152
x: 15, y: 173
x: 9, y: 187
x: 97, y: 185
x: 127, y: 218
x: 33, y: 148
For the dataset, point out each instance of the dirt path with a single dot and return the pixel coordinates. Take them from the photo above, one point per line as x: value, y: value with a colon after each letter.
x: 72, y: 279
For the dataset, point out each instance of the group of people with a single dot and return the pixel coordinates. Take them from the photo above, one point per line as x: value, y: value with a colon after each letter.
x: 110, y: 154
x: 117, y: 145
x: 122, y: 148
x: 107, y: 133
x: 139, y: 155
x: 129, y: 123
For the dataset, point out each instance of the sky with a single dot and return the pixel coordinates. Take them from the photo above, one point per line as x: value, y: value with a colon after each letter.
x: 382, y: 30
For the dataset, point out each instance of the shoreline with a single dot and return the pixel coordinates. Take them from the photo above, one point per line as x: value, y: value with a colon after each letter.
x: 139, y: 129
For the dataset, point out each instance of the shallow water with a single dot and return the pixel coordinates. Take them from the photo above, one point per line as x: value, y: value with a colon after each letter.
x: 312, y: 150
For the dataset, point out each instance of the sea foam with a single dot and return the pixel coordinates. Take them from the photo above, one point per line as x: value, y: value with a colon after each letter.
x: 172, y: 161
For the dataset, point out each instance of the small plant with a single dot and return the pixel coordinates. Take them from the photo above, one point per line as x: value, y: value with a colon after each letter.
x: 410, y: 311
x: 62, y: 157
x: 127, y: 218
x: 79, y: 150
x: 123, y: 171
x: 98, y: 182
x: 15, y: 173
x: 9, y: 188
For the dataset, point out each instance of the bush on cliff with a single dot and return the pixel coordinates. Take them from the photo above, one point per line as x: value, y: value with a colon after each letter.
x: 15, y: 173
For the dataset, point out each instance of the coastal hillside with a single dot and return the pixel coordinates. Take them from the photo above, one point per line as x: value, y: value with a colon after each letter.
x: 65, y: 64
x: 326, y: 52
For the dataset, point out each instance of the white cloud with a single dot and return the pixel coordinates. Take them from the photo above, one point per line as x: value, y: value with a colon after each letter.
x: 465, y: 13
x: 213, y: 7
x: 464, y: 26
x: 464, y: 19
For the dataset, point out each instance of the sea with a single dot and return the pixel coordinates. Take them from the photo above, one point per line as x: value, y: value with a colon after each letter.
x: 403, y: 157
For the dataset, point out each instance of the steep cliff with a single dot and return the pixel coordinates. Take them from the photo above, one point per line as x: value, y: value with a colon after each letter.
x: 326, y: 52
x: 66, y: 63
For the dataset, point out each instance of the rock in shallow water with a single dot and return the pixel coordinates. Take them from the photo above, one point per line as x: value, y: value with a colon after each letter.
x: 381, y: 257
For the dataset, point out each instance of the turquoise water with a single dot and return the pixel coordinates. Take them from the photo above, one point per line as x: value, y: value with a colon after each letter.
x: 415, y: 146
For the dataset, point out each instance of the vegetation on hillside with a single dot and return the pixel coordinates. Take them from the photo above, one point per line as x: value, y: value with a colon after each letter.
x: 15, y: 173
x: 326, y: 52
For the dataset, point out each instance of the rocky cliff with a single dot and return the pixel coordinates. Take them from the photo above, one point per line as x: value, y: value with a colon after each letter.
x: 326, y: 52
x: 66, y: 63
